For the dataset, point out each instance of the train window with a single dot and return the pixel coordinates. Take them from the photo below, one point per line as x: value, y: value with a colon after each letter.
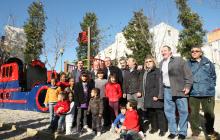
x: 7, y: 72
x: 10, y: 71
x: 3, y: 73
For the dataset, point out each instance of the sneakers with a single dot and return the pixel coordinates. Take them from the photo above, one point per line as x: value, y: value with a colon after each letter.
x: 98, y: 134
x: 141, y: 134
x: 162, y: 133
x: 214, y: 136
x: 181, y: 137
x: 87, y: 128
x: 152, y: 131
x: 171, y: 136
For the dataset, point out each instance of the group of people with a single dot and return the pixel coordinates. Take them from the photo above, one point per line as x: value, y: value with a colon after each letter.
x: 126, y: 99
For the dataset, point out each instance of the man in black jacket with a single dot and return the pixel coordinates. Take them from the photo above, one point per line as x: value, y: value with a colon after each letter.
x: 109, y: 69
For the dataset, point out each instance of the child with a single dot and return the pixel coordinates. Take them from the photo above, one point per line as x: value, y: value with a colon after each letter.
x: 82, y: 91
x: 96, y: 108
x: 100, y: 82
x: 119, y: 120
x: 60, y: 109
x: 70, y: 88
x: 52, y: 98
x: 113, y: 93
x: 131, y: 126
x: 70, y: 115
x: 62, y: 83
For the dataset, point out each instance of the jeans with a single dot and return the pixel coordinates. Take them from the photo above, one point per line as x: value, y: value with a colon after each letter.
x: 51, y: 110
x: 58, y: 122
x: 170, y: 104
x: 208, y: 104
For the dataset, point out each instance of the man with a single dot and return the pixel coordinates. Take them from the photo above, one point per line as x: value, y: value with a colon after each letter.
x: 123, y: 64
x: 177, y: 81
x: 109, y: 69
x: 131, y: 86
x: 77, y: 72
x: 203, y: 92
x: 95, y: 70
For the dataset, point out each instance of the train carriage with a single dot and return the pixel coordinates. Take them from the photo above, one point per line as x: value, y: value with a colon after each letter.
x: 23, y: 86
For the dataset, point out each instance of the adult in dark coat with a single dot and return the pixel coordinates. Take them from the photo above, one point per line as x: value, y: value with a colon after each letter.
x: 109, y: 69
x: 153, y: 95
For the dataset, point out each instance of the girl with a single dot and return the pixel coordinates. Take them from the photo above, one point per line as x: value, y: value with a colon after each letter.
x: 113, y: 93
x: 82, y: 91
x: 70, y: 115
x: 96, y: 108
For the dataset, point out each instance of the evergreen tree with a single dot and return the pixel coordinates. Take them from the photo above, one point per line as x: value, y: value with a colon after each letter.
x: 138, y: 36
x: 89, y: 20
x: 193, y: 33
x: 34, y: 29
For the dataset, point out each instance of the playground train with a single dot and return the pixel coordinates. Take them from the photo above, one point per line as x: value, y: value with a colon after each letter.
x: 23, y: 87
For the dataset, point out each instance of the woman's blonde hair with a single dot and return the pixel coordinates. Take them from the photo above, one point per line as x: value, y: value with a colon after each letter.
x: 152, y: 58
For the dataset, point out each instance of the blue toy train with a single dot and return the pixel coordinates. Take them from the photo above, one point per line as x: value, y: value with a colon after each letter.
x: 23, y: 86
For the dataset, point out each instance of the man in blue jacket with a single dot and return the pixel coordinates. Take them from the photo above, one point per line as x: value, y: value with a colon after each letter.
x: 202, y: 92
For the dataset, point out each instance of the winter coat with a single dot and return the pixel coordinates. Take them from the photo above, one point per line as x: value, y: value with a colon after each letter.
x: 204, y: 78
x: 131, y: 121
x: 65, y: 105
x: 132, y: 81
x: 153, y: 88
x: 95, y: 106
x: 79, y: 96
x: 113, y: 92
x: 180, y: 76
x: 52, y: 95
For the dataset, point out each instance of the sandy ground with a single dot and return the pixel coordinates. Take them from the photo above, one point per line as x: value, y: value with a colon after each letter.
x: 39, y: 121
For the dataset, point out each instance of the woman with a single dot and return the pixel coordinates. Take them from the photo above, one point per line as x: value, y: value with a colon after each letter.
x: 153, y: 95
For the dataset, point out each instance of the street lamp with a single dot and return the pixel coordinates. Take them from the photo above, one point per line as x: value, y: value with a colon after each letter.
x: 61, y: 58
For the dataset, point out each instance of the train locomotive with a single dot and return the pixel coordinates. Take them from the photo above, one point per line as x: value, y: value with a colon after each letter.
x: 23, y: 86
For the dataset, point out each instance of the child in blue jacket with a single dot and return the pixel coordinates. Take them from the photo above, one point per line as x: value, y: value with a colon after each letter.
x: 119, y: 120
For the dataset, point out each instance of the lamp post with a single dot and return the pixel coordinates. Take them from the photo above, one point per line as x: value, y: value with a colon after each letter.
x: 61, y: 58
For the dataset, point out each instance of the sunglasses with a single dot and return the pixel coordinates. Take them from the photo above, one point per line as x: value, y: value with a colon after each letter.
x: 195, y: 51
x: 148, y: 61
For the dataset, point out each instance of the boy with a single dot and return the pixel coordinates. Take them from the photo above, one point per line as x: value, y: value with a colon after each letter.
x: 119, y: 120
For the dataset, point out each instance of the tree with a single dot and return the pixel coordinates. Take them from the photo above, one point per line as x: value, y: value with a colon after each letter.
x: 89, y: 20
x: 60, y: 43
x: 34, y: 29
x: 138, y: 36
x: 193, y: 33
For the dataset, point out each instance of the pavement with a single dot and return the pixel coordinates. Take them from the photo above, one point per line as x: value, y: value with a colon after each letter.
x: 33, y: 125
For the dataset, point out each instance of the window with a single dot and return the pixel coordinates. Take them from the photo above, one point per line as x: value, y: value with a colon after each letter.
x: 169, y: 32
x: 7, y: 72
x: 3, y: 73
x: 10, y: 71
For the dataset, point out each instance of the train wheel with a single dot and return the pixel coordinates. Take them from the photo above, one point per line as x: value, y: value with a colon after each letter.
x: 40, y: 96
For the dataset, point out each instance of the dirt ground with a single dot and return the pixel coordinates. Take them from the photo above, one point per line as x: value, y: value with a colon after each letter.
x: 39, y: 121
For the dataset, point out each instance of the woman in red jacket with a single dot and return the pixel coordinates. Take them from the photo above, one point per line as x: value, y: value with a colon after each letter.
x: 113, y: 93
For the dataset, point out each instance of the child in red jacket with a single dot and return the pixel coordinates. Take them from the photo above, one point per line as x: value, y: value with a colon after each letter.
x: 62, y: 107
x: 131, y: 126
x: 113, y: 93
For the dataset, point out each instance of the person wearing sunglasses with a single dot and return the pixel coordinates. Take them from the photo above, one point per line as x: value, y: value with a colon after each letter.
x: 177, y: 81
x: 202, y: 92
x: 153, y: 97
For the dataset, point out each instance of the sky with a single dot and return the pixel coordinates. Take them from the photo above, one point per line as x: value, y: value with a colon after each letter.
x: 113, y: 16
